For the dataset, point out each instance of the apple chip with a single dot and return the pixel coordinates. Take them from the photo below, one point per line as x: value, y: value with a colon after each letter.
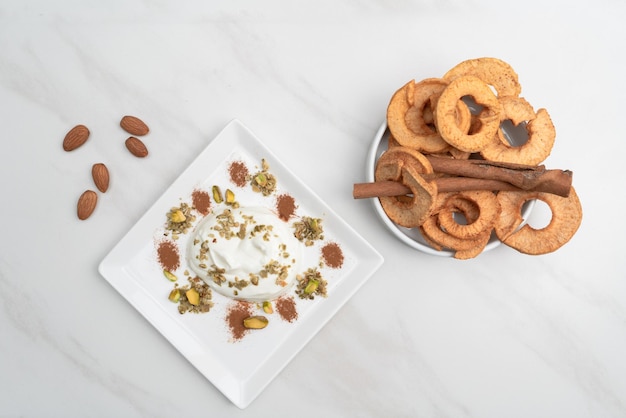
x: 492, y: 71
x: 566, y: 219
x: 445, y: 114
x: 480, y: 208
x: 540, y: 129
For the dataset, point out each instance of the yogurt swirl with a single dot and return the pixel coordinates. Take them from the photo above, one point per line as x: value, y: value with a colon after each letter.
x: 245, y: 253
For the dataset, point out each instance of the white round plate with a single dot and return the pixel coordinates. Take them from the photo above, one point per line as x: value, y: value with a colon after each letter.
x: 412, y: 236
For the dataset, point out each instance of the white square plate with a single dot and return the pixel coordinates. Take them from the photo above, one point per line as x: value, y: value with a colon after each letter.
x: 243, y: 368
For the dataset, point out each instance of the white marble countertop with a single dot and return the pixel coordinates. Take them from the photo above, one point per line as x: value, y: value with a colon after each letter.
x: 502, y: 335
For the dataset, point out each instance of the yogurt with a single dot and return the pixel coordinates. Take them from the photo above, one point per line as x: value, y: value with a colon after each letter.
x: 245, y: 253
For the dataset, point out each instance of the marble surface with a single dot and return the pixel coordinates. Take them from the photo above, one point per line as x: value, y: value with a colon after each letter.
x: 503, y: 335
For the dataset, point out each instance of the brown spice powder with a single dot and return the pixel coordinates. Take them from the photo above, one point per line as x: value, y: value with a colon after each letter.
x: 201, y: 201
x: 332, y: 255
x: 238, y: 173
x: 286, y: 308
x: 286, y: 206
x: 168, y: 255
x: 235, y: 314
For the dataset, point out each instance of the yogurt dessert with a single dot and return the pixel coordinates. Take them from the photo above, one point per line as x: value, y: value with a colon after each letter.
x: 246, y: 253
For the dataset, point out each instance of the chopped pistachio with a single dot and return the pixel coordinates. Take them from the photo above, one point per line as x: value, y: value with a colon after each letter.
x: 314, y: 225
x: 311, y: 284
x: 309, y: 230
x: 267, y: 307
x: 178, y: 216
x: 260, y: 179
x: 311, y: 287
x: 179, y: 220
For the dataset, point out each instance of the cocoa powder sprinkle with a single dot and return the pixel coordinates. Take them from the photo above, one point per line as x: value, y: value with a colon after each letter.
x: 332, y: 255
x: 235, y: 314
x: 238, y: 173
x: 286, y: 206
x: 286, y: 308
x: 201, y: 201
x: 168, y: 255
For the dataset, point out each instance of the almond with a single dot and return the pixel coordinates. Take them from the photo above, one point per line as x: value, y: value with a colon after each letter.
x: 100, y: 174
x: 134, y: 126
x: 76, y: 137
x: 86, y: 204
x: 136, y: 147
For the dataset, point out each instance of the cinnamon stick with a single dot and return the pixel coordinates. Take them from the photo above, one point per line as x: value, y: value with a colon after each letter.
x: 379, y: 189
x: 478, y: 175
x: 525, y: 177
x: 456, y: 184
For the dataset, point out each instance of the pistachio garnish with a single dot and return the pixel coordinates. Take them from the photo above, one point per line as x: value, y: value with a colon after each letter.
x: 230, y: 197
x: 169, y: 276
x: 174, y: 295
x: 177, y: 216
x: 255, y: 322
x: 309, y: 230
x: 311, y: 284
x: 267, y: 307
x: 179, y: 220
x: 217, y: 194
x: 260, y: 179
x: 314, y: 224
x: 263, y: 181
x: 193, y: 296
x: 311, y: 287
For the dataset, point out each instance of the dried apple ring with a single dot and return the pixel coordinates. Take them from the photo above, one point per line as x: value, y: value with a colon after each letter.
x: 405, y: 121
x: 434, y: 245
x: 411, y: 210
x: 481, y: 243
x: 419, y: 117
x: 445, y: 114
x: 440, y: 201
x: 428, y: 117
x: 480, y: 208
x: 422, y: 93
x: 541, y: 135
x: 413, y: 118
x: 516, y: 109
x: 463, y: 113
x: 468, y: 208
x: 401, y: 156
x: 398, y: 106
x: 463, y: 248
x: 566, y: 219
x: 405, y: 115
x: 492, y: 71
x: 471, y: 212
x: 407, y: 211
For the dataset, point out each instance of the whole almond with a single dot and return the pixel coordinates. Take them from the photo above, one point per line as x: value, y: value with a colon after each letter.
x: 134, y: 126
x: 136, y: 147
x: 76, y: 137
x: 86, y: 204
x: 100, y: 174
